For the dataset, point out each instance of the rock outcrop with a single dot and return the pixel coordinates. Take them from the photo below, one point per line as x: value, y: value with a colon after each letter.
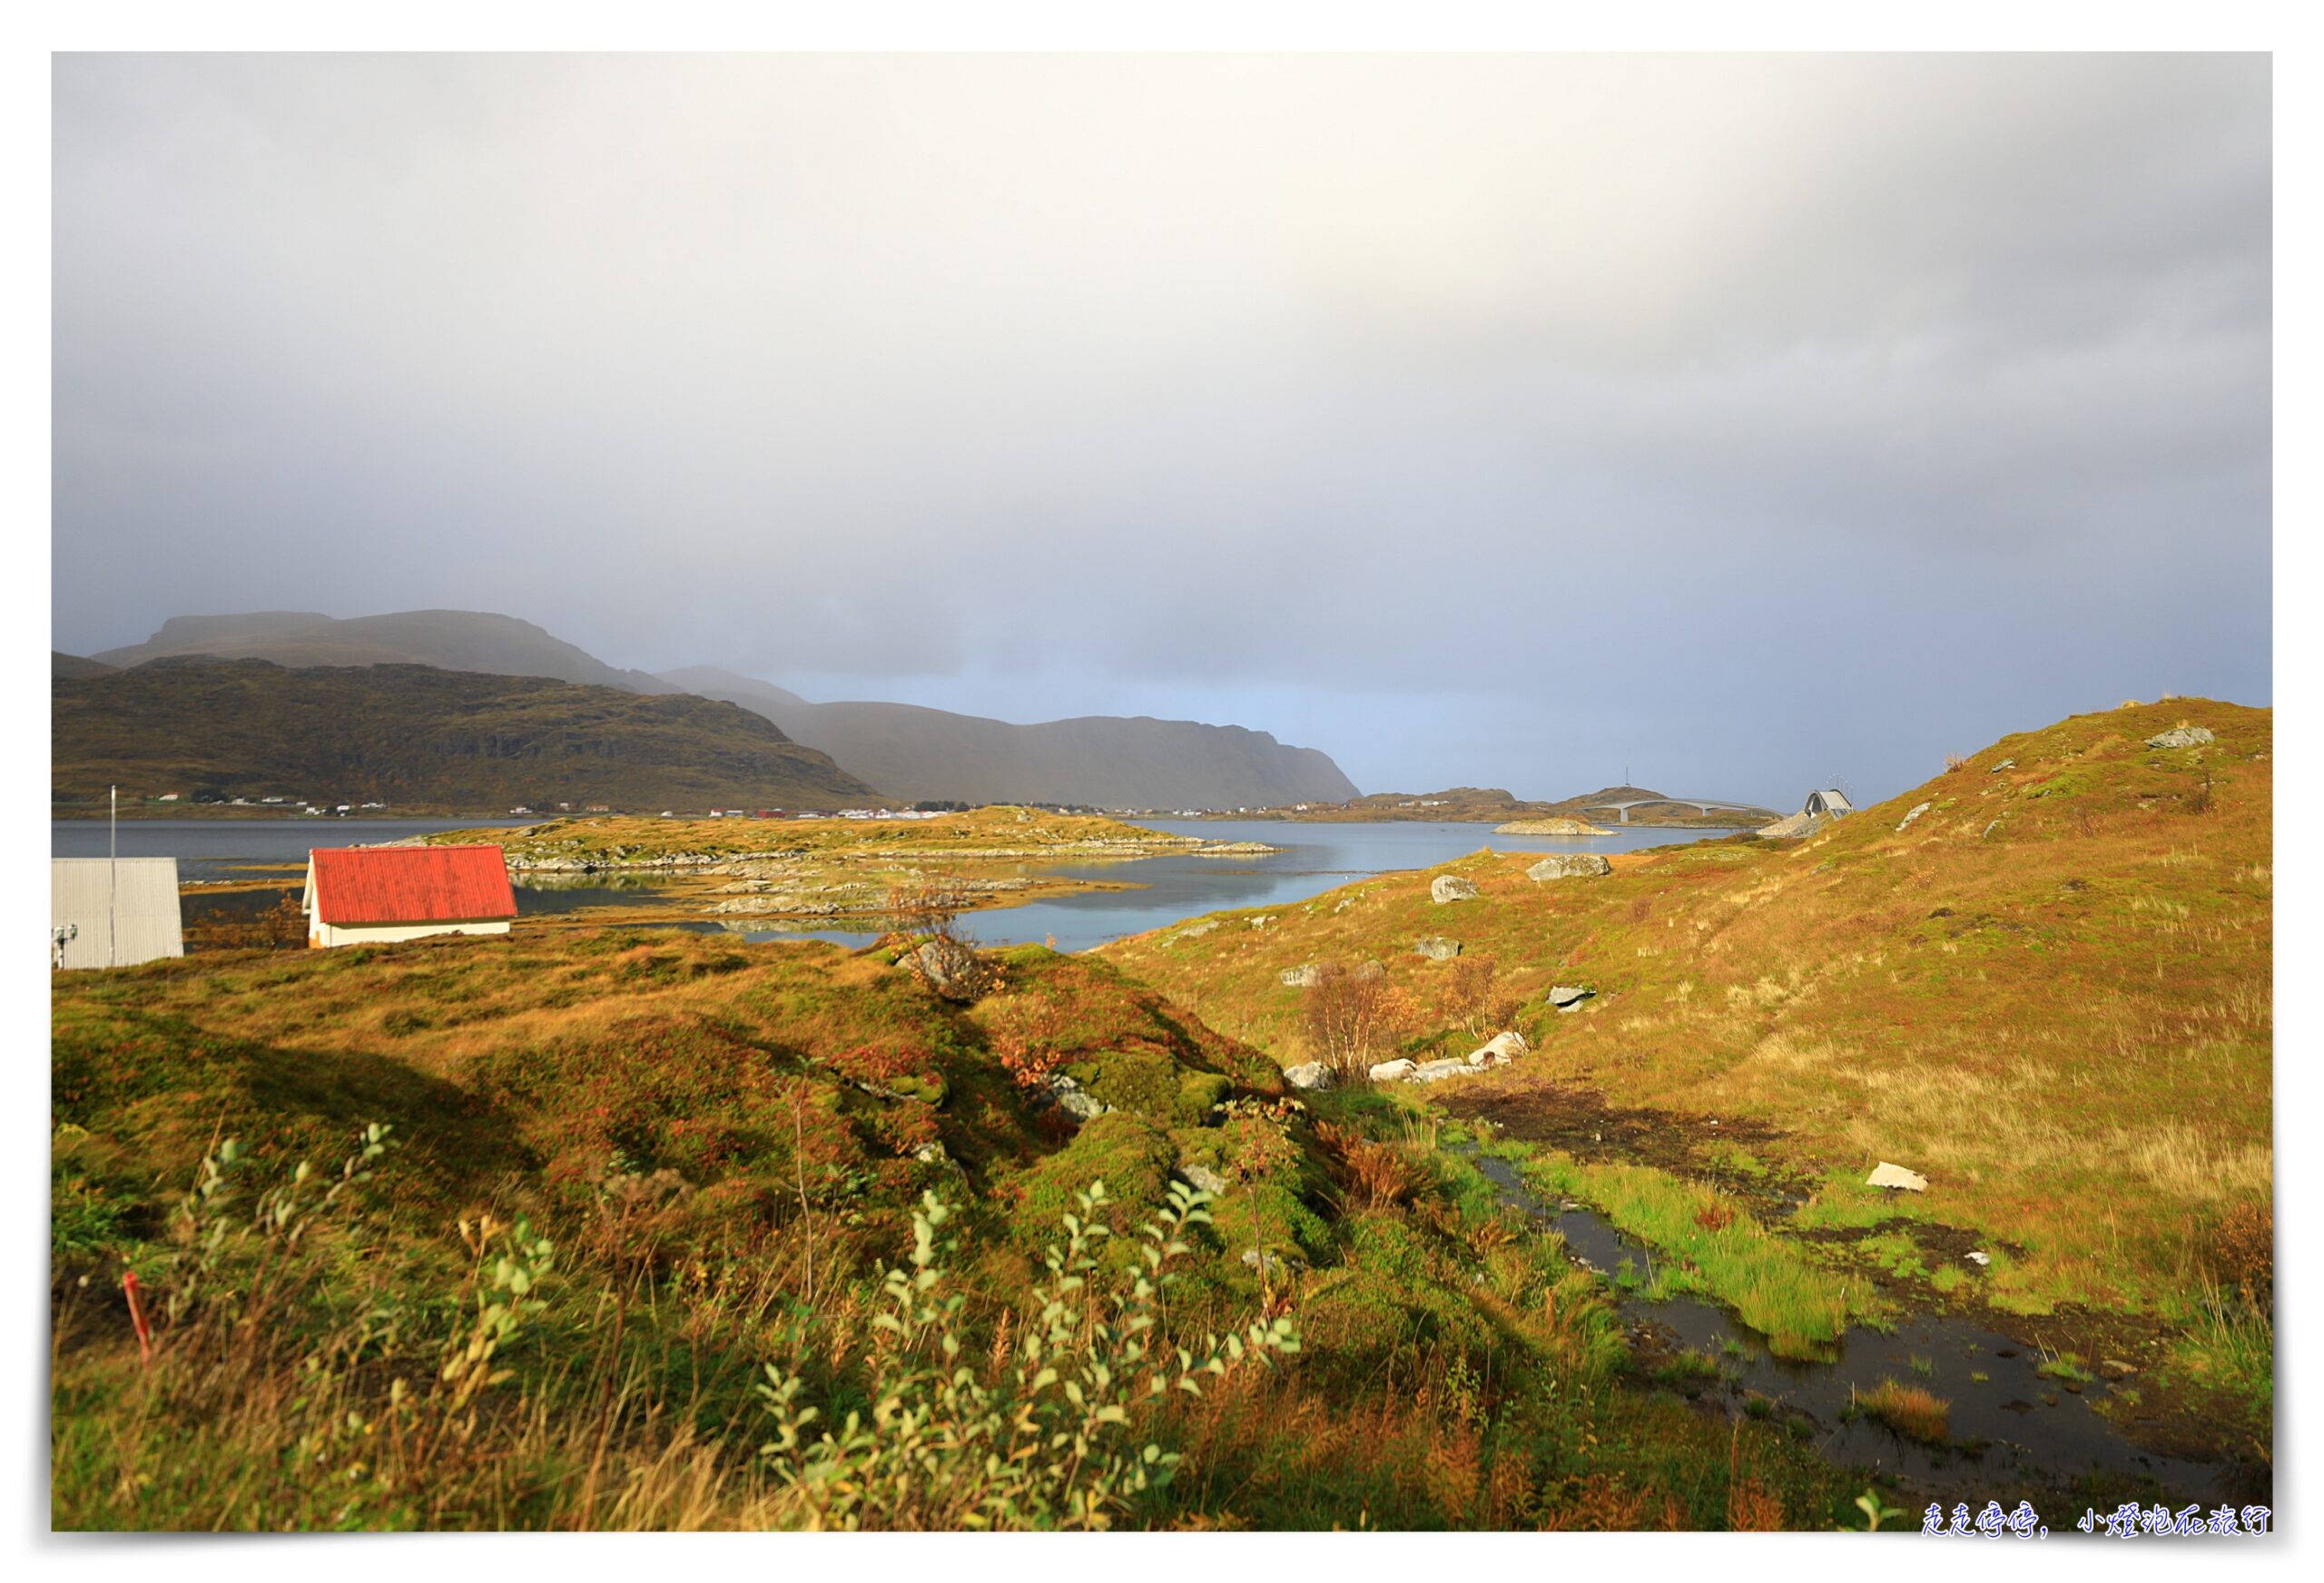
x: 953, y: 970
x: 1447, y: 887
x: 1437, y: 948
x: 1549, y: 827
x: 1570, y: 866
x: 2185, y: 736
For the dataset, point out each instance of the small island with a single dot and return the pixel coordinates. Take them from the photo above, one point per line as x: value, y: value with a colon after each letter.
x: 807, y: 871
x: 1560, y: 826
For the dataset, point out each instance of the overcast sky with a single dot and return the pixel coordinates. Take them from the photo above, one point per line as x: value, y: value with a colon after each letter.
x: 1504, y: 420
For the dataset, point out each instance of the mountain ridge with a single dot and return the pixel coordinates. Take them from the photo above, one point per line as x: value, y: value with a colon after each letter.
x: 419, y: 736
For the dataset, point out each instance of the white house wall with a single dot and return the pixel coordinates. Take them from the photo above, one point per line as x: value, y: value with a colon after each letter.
x: 369, y: 934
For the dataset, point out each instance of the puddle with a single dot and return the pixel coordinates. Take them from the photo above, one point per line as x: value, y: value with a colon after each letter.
x: 2015, y: 1433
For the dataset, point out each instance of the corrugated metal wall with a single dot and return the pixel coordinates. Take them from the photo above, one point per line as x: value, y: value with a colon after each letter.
x: 145, y: 923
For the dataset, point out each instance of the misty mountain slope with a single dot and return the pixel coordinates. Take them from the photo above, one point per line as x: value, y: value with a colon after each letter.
x: 1105, y: 761
x: 63, y: 666
x: 450, y: 640
x: 419, y: 736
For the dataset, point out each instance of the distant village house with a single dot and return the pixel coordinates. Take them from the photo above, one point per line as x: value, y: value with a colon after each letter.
x: 358, y: 896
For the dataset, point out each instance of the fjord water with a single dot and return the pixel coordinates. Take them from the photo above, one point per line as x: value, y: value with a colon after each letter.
x: 1310, y: 858
x: 229, y: 848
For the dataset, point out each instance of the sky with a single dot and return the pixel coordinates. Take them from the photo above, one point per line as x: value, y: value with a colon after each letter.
x: 1741, y: 423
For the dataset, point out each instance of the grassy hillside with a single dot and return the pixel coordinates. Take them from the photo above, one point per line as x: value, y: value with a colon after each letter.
x: 419, y: 738
x: 631, y: 1221
x: 2050, y: 991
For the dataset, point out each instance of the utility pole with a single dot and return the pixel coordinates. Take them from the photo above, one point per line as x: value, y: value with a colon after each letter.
x: 112, y: 876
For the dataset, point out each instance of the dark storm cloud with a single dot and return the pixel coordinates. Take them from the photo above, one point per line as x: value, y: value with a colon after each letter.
x: 1492, y: 419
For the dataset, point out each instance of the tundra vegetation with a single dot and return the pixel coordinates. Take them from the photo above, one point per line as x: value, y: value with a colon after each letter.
x: 2050, y: 994
x: 622, y: 1230
x: 610, y: 1228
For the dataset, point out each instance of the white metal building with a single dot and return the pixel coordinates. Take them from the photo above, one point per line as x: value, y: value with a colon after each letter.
x: 121, y: 910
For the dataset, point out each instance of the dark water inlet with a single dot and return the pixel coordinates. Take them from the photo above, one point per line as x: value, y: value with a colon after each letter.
x: 2010, y: 1439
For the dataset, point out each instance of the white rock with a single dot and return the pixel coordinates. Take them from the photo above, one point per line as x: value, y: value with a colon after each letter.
x: 1570, y: 866
x: 1887, y: 1176
x: 1308, y: 1075
x: 1391, y: 1071
x: 1073, y: 1099
x: 2185, y: 736
x: 1499, y: 1051
x: 1452, y: 888
x: 1203, y: 1179
x: 1981, y: 1259
x: 1437, y: 1071
x: 1303, y: 976
x: 1919, y: 809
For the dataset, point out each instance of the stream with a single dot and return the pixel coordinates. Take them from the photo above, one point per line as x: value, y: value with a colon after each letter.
x: 2015, y: 1434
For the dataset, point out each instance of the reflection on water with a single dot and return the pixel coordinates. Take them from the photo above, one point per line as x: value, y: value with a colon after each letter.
x: 1311, y: 859
x: 2007, y: 1422
x: 225, y: 849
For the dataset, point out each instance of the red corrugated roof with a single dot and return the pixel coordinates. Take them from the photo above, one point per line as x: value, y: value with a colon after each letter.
x: 411, y: 885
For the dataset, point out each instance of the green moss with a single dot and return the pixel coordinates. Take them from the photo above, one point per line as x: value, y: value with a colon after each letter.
x: 1129, y: 1154
x: 1262, y: 1215
x: 1199, y: 1094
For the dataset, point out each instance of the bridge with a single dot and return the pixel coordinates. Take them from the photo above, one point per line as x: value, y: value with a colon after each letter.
x: 1703, y: 804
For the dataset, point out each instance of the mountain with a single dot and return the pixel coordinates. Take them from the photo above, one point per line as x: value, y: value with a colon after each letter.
x: 418, y: 736
x: 1099, y: 761
x: 64, y: 666
x: 451, y: 640
x: 911, y: 752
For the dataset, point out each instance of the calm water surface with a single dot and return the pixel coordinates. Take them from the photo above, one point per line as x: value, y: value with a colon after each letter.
x: 1311, y: 858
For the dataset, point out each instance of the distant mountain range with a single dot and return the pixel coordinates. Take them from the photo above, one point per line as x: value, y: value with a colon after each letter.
x: 1101, y: 761
x: 450, y: 640
x: 909, y: 753
x: 419, y: 738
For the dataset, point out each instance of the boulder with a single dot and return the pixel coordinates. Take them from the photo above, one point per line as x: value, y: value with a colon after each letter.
x: 1364, y: 972
x: 1073, y: 1099
x: 1263, y: 919
x: 1303, y: 976
x: 2185, y: 736
x: 955, y: 971
x: 1437, y: 1071
x: 1569, y: 996
x: 1919, y: 809
x: 1499, y: 1051
x: 1887, y: 1176
x: 1195, y: 932
x: 2005, y: 765
x: 1570, y: 866
x: 1394, y: 1071
x: 1981, y: 1259
x: 1437, y: 948
x: 1308, y: 1075
x: 1452, y: 888
x: 1203, y: 1179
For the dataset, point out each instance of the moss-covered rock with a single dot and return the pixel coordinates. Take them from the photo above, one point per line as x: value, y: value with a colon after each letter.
x: 1144, y: 1082
x: 1128, y: 1153
x: 1199, y: 1094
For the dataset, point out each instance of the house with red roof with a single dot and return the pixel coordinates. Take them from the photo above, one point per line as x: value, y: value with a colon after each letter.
x: 369, y: 895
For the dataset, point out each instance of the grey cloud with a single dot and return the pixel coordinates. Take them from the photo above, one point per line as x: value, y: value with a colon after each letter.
x: 1409, y: 399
